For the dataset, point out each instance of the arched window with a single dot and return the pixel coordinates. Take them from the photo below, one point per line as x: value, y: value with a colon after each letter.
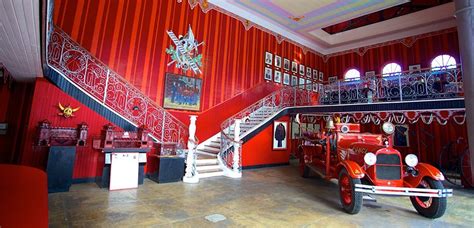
x: 352, y: 74
x: 442, y: 62
x: 391, y: 69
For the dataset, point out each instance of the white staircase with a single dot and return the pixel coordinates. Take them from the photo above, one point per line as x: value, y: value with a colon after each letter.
x: 207, y: 163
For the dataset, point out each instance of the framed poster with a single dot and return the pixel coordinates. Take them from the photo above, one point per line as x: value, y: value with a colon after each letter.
x: 315, y: 74
x: 268, y: 73
x: 268, y: 58
x: 414, y: 68
x: 315, y: 87
x: 302, y: 69
x: 286, y: 64
x: 294, y: 80
x: 294, y: 67
x: 301, y: 83
x: 332, y: 79
x: 182, y: 92
x: 308, y: 72
x: 370, y: 74
x: 286, y: 79
x: 321, y: 76
x: 321, y: 88
x: 401, y: 137
x: 308, y: 85
x: 278, y: 76
x: 277, y: 61
x: 280, y: 135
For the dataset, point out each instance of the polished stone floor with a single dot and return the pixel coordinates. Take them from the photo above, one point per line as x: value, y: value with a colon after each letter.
x: 268, y: 197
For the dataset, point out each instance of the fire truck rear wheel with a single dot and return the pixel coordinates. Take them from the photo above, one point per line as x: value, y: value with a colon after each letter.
x: 430, y: 207
x: 350, y: 199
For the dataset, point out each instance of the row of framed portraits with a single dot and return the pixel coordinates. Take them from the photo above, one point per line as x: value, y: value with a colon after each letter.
x: 292, y: 80
x: 295, y: 68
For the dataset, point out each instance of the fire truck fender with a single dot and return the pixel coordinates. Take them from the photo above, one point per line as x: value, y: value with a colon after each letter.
x: 354, y: 169
x: 424, y: 170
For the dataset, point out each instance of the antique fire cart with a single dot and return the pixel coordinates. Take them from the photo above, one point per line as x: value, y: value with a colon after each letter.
x: 367, y: 164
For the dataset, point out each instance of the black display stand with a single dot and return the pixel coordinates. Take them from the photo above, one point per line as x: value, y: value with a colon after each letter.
x: 170, y: 169
x: 60, y: 167
x: 104, y: 180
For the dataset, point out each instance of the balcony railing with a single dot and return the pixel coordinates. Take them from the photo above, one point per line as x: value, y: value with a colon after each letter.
x: 111, y: 90
x: 424, y: 85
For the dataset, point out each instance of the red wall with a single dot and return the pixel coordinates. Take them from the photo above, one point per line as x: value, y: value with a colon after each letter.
x: 14, y: 110
x: 130, y: 37
x: 422, y: 52
x: 259, y: 149
x: 89, y: 162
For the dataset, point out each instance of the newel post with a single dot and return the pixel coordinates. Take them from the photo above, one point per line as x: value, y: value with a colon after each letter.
x: 236, y: 156
x: 191, y: 175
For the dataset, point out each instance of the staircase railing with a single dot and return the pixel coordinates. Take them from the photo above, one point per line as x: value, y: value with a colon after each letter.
x: 444, y: 82
x: 231, y: 147
x: 111, y: 90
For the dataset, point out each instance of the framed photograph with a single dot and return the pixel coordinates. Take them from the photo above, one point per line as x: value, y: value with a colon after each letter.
x: 294, y: 67
x: 268, y: 58
x: 315, y: 87
x: 321, y: 76
x: 277, y: 76
x: 315, y: 74
x: 286, y: 79
x: 294, y: 80
x: 286, y: 64
x: 301, y: 83
x: 308, y: 72
x: 268, y: 73
x: 332, y: 79
x: 321, y: 88
x: 401, y: 137
x: 308, y: 85
x: 277, y: 61
x: 370, y: 74
x: 182, y: 92
x: 280, y: 135
x: 302, y: 69
x: 414, y: 68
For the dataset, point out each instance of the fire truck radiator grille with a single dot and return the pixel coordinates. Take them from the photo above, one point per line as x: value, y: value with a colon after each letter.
x: 388, y: 167
x: 388, y: 159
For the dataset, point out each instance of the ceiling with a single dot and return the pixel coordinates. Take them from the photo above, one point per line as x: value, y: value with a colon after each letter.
x: 20, y: 45
x: 303, y: 20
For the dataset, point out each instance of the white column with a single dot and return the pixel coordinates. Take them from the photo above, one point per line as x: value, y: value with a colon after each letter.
x: 191, y: 175
x: 236, y: 156
x: 465, y: 22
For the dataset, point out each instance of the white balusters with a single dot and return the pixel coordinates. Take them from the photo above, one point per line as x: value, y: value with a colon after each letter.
x: 236, y: 155
x: 191, y: 175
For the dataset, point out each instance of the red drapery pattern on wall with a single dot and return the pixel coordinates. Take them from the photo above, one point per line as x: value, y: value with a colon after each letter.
x: 130, y: 37
x: 422, y: 52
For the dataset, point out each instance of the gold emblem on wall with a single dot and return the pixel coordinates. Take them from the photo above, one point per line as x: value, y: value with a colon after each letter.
x: 67, y: 111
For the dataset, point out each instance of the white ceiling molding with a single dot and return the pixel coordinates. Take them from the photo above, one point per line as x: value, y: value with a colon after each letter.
x: 425, y: 21
x: 20, y: 45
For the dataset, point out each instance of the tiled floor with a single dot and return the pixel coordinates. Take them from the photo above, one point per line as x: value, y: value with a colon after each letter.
x: 269, y: 197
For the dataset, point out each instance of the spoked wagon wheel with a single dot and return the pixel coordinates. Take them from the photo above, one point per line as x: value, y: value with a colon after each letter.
x: 466, y: 174
x: 350, y: 199
x: 430, y: 207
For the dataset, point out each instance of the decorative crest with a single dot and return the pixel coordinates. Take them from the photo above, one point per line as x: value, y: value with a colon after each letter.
x: 186, y: 54
x: 67, y: 111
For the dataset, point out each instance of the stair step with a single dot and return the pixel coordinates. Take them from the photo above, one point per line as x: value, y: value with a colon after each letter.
x: 213, y: 174
x: 214, y: 145
x: 210, y: 149
x: 206, y: 153
x: 208, y: 168
x: 207, y: 161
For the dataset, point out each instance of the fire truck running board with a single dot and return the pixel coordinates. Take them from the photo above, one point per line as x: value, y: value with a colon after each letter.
x: 401, y: 191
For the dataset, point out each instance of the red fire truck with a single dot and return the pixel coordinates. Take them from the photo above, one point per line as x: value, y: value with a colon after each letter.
x: 367, y: 164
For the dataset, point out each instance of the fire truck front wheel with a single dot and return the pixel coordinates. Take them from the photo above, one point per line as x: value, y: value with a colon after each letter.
x: 430, y: 207
x: 350, y: 199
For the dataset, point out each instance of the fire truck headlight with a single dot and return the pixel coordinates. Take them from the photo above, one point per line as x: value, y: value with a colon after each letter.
x: 370, y: 158
x: 411, y: 160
